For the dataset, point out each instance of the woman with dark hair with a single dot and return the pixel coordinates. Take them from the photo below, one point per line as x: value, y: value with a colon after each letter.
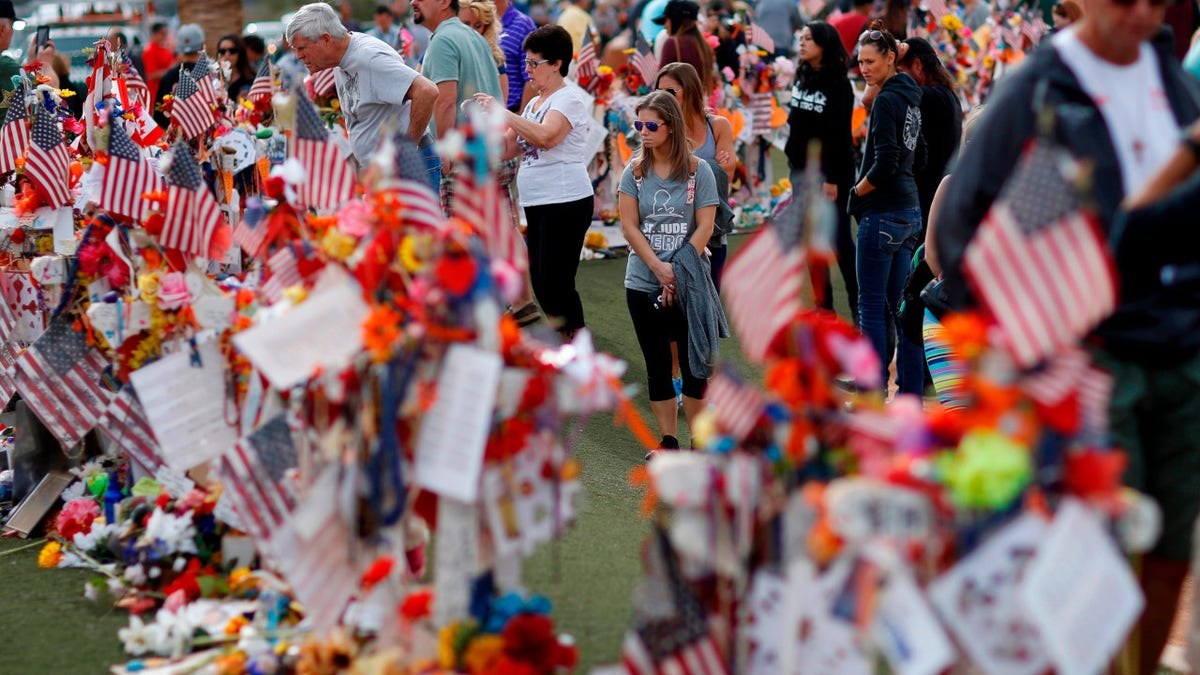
x: 686, y: 44
x: 668, y: 203
x: 553, y: 184
x: 941, y: 115
x: 710, y: 137
x: 885, y: 202
x: 231, y: 52
x: 821, y: 108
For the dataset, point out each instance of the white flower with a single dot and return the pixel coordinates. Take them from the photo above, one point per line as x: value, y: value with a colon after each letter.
x: 94, y: 537
x: 74, y: 491
x: 116, y: 587
x: 91, y: 591
x: 154, y: 573
x: 176, y: 532
x: 135, y: 575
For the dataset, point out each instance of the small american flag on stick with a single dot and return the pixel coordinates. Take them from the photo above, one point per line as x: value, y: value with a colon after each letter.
x: 586, y: 63
x: 285, y: 273
x: 124, y: 422
x: 330, y: 181
x: 487, y: 209
x: 14, y: 137
x: 1039, y: 263
x: 738, y: 405
x: 254, y: 475
x: 251, y: 231
x: 643, y: 61
x: 757, y: 35
x: 127, y: 177
x: 322, y: 83
x: 763, y: 291
x: 59, y: 378
x: 205, y: 82
x: 263, y: 86
x: 190, y: 112
x: 47, y: 162
x: 192, y: 216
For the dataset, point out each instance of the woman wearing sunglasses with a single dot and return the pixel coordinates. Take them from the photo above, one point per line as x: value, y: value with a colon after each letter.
x: 553, y: 183
x: 668, y: 202
x: 231, y: 53
x: 885, y: 202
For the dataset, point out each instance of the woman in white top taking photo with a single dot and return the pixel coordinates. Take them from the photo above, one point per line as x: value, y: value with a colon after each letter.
x: 555, y: 189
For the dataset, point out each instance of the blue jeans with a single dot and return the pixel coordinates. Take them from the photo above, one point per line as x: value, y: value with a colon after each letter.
x: 433, y: 168
x: 886, y: 241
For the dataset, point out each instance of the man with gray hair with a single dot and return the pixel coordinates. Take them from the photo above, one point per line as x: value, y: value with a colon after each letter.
x: 374, y: 84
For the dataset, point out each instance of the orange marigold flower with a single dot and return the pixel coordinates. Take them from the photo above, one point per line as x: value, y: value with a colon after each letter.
x: 380, y: 331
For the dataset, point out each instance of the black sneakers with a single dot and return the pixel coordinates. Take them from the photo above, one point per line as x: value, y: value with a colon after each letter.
x: 667, y: 443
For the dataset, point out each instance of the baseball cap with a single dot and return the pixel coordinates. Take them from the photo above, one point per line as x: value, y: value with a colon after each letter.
x: 189, y: 39
x: 678, y: 9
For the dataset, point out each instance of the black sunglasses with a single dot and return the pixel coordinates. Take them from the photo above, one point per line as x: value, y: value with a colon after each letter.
x: 871, y: 35
x: 651, y: 126
x: 1153, y: 3
x: 230, y: 50
x: 669, y: 90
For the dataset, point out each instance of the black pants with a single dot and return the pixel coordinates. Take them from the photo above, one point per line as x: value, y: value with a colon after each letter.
x: 555, y: 238
x: 656, y: 328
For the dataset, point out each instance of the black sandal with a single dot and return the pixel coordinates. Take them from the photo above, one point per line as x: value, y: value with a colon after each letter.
x: 527, y: 315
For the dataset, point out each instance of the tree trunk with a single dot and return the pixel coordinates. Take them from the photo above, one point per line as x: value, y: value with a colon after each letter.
x: 216, y: 17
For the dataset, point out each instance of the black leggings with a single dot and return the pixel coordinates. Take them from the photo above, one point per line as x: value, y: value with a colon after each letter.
x: 656, y: 329
x: 555, y: 239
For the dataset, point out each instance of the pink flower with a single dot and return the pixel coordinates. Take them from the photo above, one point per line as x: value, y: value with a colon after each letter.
x: 76, y: 517
x: 173, y: 291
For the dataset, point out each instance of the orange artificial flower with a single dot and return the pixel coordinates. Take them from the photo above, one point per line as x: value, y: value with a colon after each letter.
x: 381, y: 331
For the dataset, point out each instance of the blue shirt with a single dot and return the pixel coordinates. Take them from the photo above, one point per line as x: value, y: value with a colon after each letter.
x: 517, y: 27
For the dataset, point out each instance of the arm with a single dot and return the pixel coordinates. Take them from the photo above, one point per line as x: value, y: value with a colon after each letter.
x: 444, y: 109
x: 705, y: 217
x: 423, y: 94
x: 1175, y: 171
x: 548, y: 133
x: 887, y: 147
x: 931, y: 229
x: 723, y: 131
x: 504, y: 86
x: 707, y: 197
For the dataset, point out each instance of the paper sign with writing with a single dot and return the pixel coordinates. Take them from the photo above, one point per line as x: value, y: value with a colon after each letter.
x: 185, y: 405
x: 818, y: 643
x: 119, y: 321
x: 977, y: 599
x: 862, y: 509
x: 520, y: 502
x: 453, y: 433
x: 456, y: 549
x: 325, y: 331
x: 1080, y: 592
x: 173, y: 482
x: 767, y: 629
x: 906, y: 630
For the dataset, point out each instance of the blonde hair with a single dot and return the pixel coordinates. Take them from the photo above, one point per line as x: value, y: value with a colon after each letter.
x: 693, y: 96
x: 486, y: 11
x: 676, y: 147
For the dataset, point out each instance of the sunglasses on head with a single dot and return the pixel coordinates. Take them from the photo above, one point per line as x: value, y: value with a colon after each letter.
x: 669, y: 90
x: 649, y: 126
x: 871, y: 36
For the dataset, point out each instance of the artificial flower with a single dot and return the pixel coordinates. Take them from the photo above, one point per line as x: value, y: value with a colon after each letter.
x: 176, y: 533
x: 76, y: 517
x: 173, y: 291
x: 50, y: 555
x: 987, y: 471
x: 483, y: 654
x: 381, y: 331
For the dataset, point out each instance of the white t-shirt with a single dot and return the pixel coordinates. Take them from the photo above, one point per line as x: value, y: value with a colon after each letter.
x: 556, y: 175
x: 1134, y: 103
x: 372, y: 81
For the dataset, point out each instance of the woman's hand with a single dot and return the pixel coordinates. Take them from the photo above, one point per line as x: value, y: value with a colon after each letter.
x: 830, y: 192
x: 723, y: 157
x: 665, y: 274
x: 484, y: 101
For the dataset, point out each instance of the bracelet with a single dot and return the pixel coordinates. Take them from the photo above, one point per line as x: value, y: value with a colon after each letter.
x: 1193, y: 145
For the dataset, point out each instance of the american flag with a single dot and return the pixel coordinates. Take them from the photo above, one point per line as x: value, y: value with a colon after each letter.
x: 1039, y: 262
x: 419, y: 205
x: 738, y: 405
x: 124, y: 421
x: 190, y: 111
x: 757, y: 35
x: 760, y: 110
x: 192, y: 216
x: 254, y: 475
x: 586, y: 63
x: 322, y: 83
x: 59, y: 378
x: 762, y: 287
x: 643, y: 61
x: 487, y: 209
x: 47, y: 162
x: 1071, y: 373
x: 134, y: 89
x: 321, y: 571
x: 14, y: 137
x: 285, y: 273
x: 1034, y: 27
x: 937, y: 9
x: 8, y: 347
x: 330, y: 181
x: 127, y: 177
x: 251, y: 231
x: 263, y: 87
x: 205, y: 82
x: 680, y: 644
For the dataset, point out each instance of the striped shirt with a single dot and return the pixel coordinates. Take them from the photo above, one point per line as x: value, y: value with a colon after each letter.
x: 517, y: 27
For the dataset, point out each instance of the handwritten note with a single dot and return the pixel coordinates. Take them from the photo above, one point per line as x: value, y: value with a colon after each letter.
x: 325, y: 331
x: 453, y: 434
x: 818, y: 642
x: 456, y: 549
x: 174, y: 482
x: 185, y: 405
x: 907, y: 631
x: 978, y: 601
x: 767, y: 628
x: 1080, y: 593
x: 861, y: 509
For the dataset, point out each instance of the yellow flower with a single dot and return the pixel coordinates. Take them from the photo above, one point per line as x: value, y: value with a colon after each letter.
x: 483, y: 654
x: 951, y: 22
x: 447, y: 659
x: 785, y: 183
x: 776, y: 191
x: 337, y: 244
x: 236, y: 624
x: 66, y: 93
x: 605, y: 70
x: 148, y: 285
x: 50, y: 555
x: 239, y: 575
x: 414, y: 250
x: 295, y: 294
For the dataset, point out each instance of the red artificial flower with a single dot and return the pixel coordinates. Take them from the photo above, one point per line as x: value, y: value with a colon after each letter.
x: 377, y: 572
x: 417, y: 605
x: 187, y: 582
x: 530, y: 638
x: 1094, y: 473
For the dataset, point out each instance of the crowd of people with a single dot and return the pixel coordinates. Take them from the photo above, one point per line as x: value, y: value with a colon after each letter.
x: 913, y: 193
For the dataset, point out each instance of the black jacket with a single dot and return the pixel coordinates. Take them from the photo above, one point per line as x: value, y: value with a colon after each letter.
x: 894, y: 148
x: 821, y: 110
x: 1153, y: 321
x: 941, y: 125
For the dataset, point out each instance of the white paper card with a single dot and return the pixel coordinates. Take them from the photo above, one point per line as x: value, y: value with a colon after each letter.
x: 325, y: 331
x: 907, y: 631
x: 821, y: 644
x: 64, y: 231
x: 173, y: 482
x: 454, y: 432
x: 185, y: 406
x: 1080, y: 593
x: 767, y: 628
x: 977, y: 599
x: 456, y: 549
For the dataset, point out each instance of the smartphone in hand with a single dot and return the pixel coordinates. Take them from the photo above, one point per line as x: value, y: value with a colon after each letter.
x: 43, y: 37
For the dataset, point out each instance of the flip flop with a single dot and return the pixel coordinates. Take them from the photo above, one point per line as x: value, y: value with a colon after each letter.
x: 527, y: 315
